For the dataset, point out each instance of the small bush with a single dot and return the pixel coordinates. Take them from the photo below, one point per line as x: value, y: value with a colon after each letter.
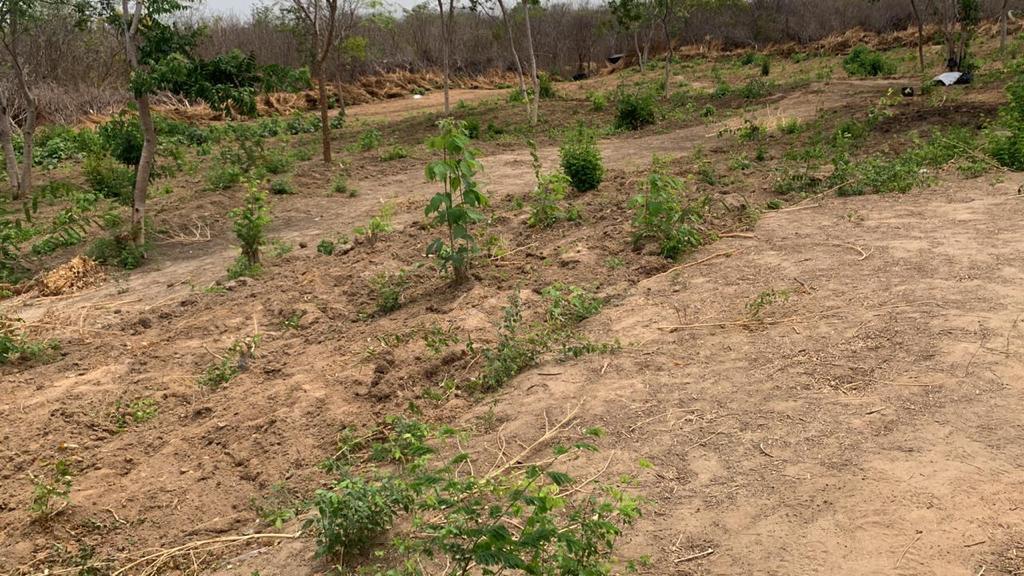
x: 326, y: 247
x: 369, y: 140
x: 277, y: 162
x: 545, y: 208
x: 109, y: 179
x: 722, y: 90
x: 663, y: 216
x: 472, y: 128
x: 121, y: 136
x: 354, y: 513
x: 389, y: 289
x: 117, y: 251
x: 598, y: 101
x: 570, y: 305
x: 396, y: 152
x: 223, y: 176
x: 766, y: 66
x: 340, y: 186
x: 1006, y: 137
x: 863, y: 61
x: 44, y: 490
x: 281, y: 187
x: 16, y: 346
x: 791, y: 126
x: 231, y: 364
x: 250, y: 222
x: 547, y: 86
x: 581, y: 161
x: 756, y: 89
x: 635, y: 110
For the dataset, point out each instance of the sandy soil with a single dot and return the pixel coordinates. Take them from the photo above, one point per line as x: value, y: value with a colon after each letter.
x: 866, y: 423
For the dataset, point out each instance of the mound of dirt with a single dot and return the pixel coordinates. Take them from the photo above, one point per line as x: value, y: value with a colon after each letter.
x: 76, y: 274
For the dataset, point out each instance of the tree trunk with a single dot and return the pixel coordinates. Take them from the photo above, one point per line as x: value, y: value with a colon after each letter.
x: 512, y: 47
x: 920, y: 34
x: 325, y: 121
x: 142, y: 174
x: 10, y: 156
x: 668, y: 59
x: 639, y: 52
x: 27, y: 152
x: 534, y: 112
x: 445, y: 40
x: 1002, y: 26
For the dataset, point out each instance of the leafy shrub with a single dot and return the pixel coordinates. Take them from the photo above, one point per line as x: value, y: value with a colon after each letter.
x: 598, y: 101
x: 354, y: 513
x: 514, y: 352
x: 473, y: 128
x: 379, y: 224
x: 863, y: 61
x: 635, y: 110
x: 751, y: 132
x: 547, y: 86
x: 766, y: 66
x: 1006, y: 137
x: 756, y: 89
x: 44, y: 490
x: 16, y: 346
x: 396, y: 152
x: 389, y: 289
x: 55, y: 143
x: 223, y: 176
x: 791, y: 126
x: 662, y: 215
x: 581, y: 160
x: 326, y: 247
x: 458, y: 205
x: 231, y: 364
x: 721, y: 90
x: 545, y: 207
x: 461, y: 518
x: 570, y: 305
x: 117, y: 250
x: 121, y: 137
x: 369, y: 140
x: 277, y: 162
x: 340, y: 186
x: 250, y: 222
x: 281, y: 187
x: 109, y: 178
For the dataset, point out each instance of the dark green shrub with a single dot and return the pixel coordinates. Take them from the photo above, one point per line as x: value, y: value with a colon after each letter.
x: 661, y: 214
x: 281, y: 187
x: 635, y: 110
x: 109, y: 178
x: 547, y: 86
x: 326, y: 247
x: 756, y: 89
x: 473, y: 128
x: 122, y: 138
x: 1006, y: 137
x: 250, y: 222
x: 863, y: 61
x: 117, y: 251
x: 581, y: 160
x: 396, y: 152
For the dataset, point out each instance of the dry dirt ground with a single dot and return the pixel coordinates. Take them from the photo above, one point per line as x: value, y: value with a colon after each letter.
x: 867, y: 422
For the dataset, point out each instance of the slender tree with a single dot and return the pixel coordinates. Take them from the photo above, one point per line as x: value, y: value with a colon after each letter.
x: 920, y: 33
x: 17, y: 18
x: 326, y: 25
x: 447, y: 25
x: 512, y: 46
x: 535, y: 109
